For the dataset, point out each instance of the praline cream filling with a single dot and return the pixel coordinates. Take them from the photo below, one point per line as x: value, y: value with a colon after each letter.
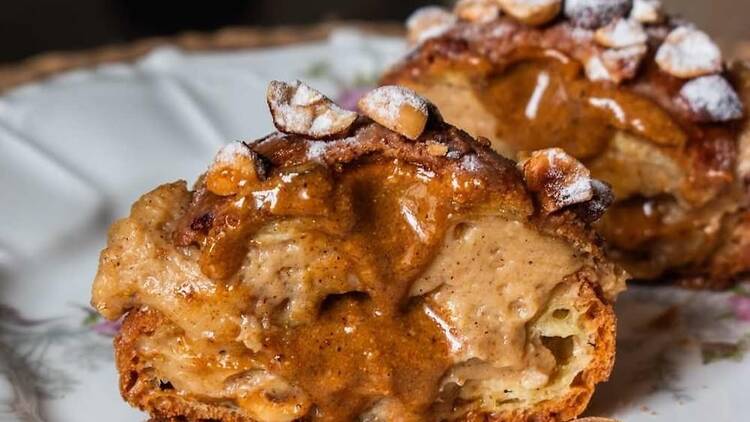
x: 492, y: 286
x: 519, y: 335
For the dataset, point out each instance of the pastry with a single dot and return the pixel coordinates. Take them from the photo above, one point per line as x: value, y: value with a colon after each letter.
x: 376, y: 267
x: 642, y: 99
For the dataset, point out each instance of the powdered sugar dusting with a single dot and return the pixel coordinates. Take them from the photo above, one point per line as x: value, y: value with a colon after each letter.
x: 711, y: 98
x: 304, y: 95
x: 316, y: 150
x: 574, y: 183
x: 596, y: 71
x: 688, y: 52
x: 621, y: 33
x: 558, y: 179
x: 622, y: 63
x: 615, y: 64
x: 593, y: 14
x: 576, y: 191
x: 429, y: 22
x: 229, y: 153
x: 601, y: 199
x: 391, y: 98
x: 502, y: 30
x: 647, y: 11
x: 397, y: 108
x: 471, y: 163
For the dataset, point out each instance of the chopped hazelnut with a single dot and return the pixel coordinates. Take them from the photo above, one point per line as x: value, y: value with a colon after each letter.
x: 428, y: 22
x: 477, y: 10
x: 711, y: 99
x: 558, y: 179
x: 234, y: 167
x: 532, y: 12
x: 296, y: 108
x: 647, y: 11
x: 621, y: 33
x: 592, y: 14
x: 437, y: 149
x: 615, y: 64
x: 397, y: 108
x: 688, y: 53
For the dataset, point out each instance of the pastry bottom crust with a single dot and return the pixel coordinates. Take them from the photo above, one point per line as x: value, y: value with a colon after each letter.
x: 141, y: 387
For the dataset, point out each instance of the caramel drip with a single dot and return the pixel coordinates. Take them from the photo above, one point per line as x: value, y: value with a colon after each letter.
x: 387, y: 221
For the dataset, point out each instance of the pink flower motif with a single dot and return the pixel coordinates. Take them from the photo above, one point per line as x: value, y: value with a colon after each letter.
x: 349, y: 97
x: 741, y: 307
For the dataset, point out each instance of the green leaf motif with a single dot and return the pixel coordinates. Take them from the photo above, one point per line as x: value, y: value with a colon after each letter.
x: 718, y: 351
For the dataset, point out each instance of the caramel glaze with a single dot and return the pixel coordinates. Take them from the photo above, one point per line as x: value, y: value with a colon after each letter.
x: 386, y: 203
x: 584, y: 117
x: 533, y: 82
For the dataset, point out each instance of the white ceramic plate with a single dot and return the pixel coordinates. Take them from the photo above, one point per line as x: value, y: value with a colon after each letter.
x: 77, y: 150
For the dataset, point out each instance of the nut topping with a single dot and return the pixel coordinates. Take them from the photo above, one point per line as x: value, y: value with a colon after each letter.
x: 621, y: 33
x: 532, y: 12
x: 558, y: 179
x: 428, y: 22
x: 593, y: 209
x: 647, y: 11
x: 480, y: 11
x: 437, y: 149
x: 592, y: 14
x: 397, y: 108
x: 688, y: 53
x: 711, y: 99
x: 234, y: 167
x: 296, y: 108
x: 616, y: 64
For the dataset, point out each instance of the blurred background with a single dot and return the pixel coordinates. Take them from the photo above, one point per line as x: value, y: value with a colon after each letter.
x: 29, y: 27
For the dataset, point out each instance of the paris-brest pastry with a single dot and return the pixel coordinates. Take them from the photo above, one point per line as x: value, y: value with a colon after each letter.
x: 376, y: 267
x: 644, y: 100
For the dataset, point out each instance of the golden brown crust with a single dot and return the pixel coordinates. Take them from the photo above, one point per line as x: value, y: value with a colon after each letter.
x: 142, y: 389
x: 574, y: 403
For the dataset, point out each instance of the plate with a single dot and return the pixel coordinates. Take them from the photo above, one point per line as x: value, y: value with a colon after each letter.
x: 79, y: 149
